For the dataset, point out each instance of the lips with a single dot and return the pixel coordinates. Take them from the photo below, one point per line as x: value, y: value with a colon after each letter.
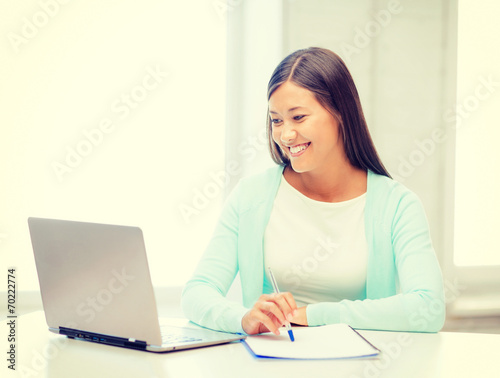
x: 298, y: 149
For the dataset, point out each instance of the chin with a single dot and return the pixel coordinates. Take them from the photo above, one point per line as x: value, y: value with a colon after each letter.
x: 299, y: 168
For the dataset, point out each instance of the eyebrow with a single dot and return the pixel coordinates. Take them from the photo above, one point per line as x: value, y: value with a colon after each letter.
x: 289, y: 110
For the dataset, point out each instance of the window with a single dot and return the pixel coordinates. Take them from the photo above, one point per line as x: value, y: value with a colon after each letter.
x: 477, y: 187
x: 475, y: 263
x: 113, y: 113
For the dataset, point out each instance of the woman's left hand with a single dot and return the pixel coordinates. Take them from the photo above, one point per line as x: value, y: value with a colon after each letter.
x: 300, y: 317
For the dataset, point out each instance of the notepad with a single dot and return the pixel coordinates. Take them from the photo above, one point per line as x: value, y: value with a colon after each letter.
x: 333, y: 341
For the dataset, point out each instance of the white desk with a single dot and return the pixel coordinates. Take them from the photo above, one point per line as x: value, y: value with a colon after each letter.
x: 43, y: 354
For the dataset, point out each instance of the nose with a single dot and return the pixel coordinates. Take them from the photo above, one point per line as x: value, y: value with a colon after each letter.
x: 288, y: 133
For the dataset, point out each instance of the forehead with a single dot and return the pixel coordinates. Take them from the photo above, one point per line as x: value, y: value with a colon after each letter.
x: 289, y: 95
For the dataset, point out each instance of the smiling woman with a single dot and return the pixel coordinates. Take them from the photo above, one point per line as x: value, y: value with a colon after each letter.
x: 380, y: 270
x: 295, y: 128
x: 321, y: 78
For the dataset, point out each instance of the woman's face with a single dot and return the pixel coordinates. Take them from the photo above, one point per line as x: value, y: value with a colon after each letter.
x: 305, y: 131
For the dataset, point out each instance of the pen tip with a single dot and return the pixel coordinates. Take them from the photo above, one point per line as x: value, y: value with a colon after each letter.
x: 292, y: 338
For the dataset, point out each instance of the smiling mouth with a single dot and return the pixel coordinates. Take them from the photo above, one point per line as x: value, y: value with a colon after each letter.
x: 299, y: 148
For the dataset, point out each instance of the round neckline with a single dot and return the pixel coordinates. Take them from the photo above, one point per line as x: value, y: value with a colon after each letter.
x: 322, y: 203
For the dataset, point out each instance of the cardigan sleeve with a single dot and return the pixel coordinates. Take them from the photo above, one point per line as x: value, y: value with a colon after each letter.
x: 420, y: 304
x: 203, y: 298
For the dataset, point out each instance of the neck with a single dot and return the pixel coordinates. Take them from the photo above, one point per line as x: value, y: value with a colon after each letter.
x: 342, y: 183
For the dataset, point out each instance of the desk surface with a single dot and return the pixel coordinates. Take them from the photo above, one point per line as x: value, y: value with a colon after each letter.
x: 42, y: 354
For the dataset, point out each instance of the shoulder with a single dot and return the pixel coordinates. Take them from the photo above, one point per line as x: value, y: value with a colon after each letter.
x: 390, y: 201
x: 257, y: 187
x: 269, y: 175
x: 260, y: 183
x: 386, y: 190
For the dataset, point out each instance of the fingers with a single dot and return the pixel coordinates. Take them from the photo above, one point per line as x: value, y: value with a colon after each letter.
x: 284, y: 305
x: 273, y: 308
x: 254, y: 321
x: 287, y: 304
x: 265, y: 322
x: 270, y: 313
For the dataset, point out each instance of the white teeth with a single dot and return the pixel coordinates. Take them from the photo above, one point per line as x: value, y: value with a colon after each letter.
x: 298, y: 148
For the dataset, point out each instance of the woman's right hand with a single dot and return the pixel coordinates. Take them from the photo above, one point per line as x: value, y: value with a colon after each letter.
x: 269, y: 313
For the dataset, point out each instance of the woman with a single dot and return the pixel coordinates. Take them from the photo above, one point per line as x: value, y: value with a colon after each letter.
x: 346, y: 243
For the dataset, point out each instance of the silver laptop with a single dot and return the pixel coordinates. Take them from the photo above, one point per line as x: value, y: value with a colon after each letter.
x: 95, y: 286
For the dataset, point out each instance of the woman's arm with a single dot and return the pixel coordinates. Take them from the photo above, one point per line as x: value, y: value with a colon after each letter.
x: 420, y: 305
x: 203, y: 298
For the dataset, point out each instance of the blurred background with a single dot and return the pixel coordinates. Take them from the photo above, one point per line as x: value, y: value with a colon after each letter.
x: 148, y: 113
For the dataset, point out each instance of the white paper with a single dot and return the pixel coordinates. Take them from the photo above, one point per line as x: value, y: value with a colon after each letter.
x: 325, y: 342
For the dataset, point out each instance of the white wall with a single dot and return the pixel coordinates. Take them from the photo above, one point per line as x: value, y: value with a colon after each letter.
x: 152, y: 74
x: 255, y: 47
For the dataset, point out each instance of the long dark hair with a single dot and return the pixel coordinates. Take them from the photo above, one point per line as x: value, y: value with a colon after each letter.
x: 323, y: 72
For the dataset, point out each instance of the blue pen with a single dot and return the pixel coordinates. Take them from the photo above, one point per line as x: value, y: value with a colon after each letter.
x: 277, y: 291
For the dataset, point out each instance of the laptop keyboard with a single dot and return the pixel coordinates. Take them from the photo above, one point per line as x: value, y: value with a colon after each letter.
x: 176, y: 339
x: 170, y: 337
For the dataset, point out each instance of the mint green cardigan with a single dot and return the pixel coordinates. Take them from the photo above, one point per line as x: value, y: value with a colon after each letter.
x: 404, y: 285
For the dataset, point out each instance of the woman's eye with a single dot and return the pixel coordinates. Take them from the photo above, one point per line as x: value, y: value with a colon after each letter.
x: 298, y: 117
x: 274, y: 121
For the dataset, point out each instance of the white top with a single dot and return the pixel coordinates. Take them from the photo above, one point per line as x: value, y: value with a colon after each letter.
x: 316, y: 250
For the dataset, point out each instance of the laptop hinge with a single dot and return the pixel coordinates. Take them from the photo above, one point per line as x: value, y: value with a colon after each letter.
x: 103, y: 339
